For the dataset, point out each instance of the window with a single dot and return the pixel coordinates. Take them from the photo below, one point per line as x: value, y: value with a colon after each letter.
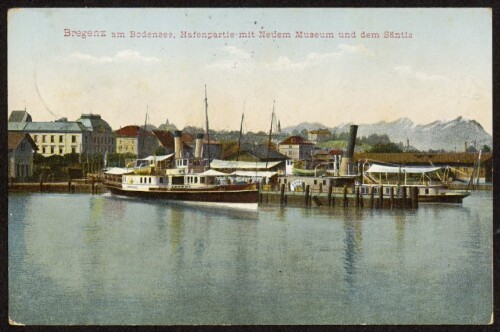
x: 52, y: 139
x: 52, y: 149
x: 149, y: 179
x: 61, y: 150
x: 43, y: 138
x: 61, y: 138
x: 324, y: 182
x: 35, y: 138
x: 73, y: 138
x: 315, y: 181
x: 73, y: 149
x: 161, y: 180
x: 141, y: 179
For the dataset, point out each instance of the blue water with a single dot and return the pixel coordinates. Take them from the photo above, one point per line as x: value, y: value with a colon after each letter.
x: 83, y: 259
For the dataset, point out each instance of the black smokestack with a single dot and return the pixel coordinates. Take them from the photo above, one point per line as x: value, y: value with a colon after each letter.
x: 352, y: 141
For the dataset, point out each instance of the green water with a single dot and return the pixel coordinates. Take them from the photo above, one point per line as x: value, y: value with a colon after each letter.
x: 83, y: 259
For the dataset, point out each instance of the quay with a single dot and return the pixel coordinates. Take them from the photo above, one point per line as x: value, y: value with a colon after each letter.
x: 74, y: 186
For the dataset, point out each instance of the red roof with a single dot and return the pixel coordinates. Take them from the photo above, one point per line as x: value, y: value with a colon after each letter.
x: 15, y: 138
x: 296, y: 140
x: 166, y: 139
x: 132, y: 131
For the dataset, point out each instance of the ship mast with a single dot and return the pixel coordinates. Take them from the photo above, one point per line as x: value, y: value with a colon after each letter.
x: 241, y: 130
x: 206, y: 121
x: 270, y: 132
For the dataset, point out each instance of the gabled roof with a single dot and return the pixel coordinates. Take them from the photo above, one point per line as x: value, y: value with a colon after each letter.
x: 19, y: 116
x: 262, y: 152
x: 296, y: 140
x: 14, y: 139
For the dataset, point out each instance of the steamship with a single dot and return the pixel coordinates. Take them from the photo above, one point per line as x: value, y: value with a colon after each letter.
x: 176, y: 178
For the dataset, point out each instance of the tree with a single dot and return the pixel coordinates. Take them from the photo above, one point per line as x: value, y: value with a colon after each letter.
x: 486, y: 148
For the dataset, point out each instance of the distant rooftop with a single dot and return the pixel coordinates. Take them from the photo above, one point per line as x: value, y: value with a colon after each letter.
x: 295, y: 140
x: 20, y: 116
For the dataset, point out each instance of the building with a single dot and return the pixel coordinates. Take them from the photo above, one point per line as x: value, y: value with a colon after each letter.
x: 88, y: 135
x: 102, y: 137
x: 319, y: 135
x: 214, y: 149
x: 136, y: 140
x: 296, y: 148
x: 56, y: 138
x: 21, y: 148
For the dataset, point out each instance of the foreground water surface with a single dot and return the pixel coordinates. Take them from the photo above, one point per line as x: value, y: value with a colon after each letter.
x: 99, y: 259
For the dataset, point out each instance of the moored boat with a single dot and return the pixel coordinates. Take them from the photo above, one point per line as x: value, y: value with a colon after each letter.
x: 432, y: 187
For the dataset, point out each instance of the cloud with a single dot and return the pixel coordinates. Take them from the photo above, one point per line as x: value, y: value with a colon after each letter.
x: 421, y: 76
x: 120, y: 56
x: 231, y: 58
x: 317, y: 59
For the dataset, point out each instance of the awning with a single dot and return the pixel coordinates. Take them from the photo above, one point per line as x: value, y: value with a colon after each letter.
x: 374, y: 168
x: 211, y: 172
x: 243, y: 165
x: 261, y: 174
x: 119, y: 171
x: 158, y: 158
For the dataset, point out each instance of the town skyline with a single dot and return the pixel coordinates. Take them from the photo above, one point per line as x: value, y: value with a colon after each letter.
x: 443, y: 71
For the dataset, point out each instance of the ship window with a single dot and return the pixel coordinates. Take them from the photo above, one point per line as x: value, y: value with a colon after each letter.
x: 140, y: 179
x: 324, y: 182
x: 161, y: 180
x: 315, y: 181
x: 150, y: 180
x: 427, y: 191
x: 195, y: 180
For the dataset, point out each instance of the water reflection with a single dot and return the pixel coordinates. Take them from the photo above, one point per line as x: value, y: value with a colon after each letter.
x: 353, y: 247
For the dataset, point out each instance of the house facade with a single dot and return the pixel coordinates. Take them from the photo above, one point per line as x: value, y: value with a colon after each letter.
x: 102, y: 137
x: 296, y: 148
x: 56, y: 138
x: 21, y: 148
x: 136, y: 140
x: 319, y: 135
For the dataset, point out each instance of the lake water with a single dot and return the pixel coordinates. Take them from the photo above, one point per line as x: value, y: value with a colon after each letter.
x: 99, y: 259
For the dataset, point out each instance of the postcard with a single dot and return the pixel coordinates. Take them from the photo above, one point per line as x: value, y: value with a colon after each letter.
x: 250, y: 166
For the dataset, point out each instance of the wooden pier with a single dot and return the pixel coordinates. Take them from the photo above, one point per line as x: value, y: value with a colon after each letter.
x: 344, y: 197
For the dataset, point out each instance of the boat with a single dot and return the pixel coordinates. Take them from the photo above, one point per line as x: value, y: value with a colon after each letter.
x: 179, y: 183
x: 432, y: 187
x: 175, y: 177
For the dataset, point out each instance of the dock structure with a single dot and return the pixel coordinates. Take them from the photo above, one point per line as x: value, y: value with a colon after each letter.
x: 339, y: 197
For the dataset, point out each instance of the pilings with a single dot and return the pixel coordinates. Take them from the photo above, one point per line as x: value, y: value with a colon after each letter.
x: 374, y: 197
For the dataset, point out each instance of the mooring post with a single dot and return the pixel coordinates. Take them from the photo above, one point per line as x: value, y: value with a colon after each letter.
x: 345, y: 204
x: 306, y: 196
x: 414, y: 197
x: 403, y: 188
x: 357, y: 197
x: 371, y: 197
x: 330, y: 193
x: 391, y: 190
x: 381, y: 197
x: 282, y: 193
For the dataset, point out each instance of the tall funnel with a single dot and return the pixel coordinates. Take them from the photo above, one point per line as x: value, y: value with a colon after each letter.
x: 349, y: 152
x: 178, y: 144
x: 199, y: 144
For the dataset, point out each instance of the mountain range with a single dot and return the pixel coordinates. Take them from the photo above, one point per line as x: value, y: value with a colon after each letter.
x: 447, y: 135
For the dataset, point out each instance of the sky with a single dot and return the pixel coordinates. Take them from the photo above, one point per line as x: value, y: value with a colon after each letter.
x: 443, y: 71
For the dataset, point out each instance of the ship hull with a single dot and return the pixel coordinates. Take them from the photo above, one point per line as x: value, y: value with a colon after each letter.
x: 221, y: 195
